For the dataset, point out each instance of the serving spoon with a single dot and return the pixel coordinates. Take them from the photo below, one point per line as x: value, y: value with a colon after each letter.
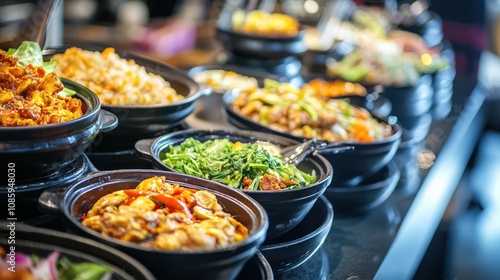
x: 34, y: 28
x: 295, y: 154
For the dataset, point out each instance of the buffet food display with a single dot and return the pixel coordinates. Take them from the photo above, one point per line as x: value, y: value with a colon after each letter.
x: 31, y: 94
x: 223, y: 193
x: 262, y: 23
x: 52, y: 266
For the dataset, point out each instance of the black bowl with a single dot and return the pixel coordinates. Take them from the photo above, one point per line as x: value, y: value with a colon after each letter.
x: 373, y: 100
x: 288, y: 251
x: 417, y: 127
x: 149, y: 119
x: 442, y: 84
x: 350, y: 166
x: 315, y: 60
x: 224, y: 263
x: 256, y: 268
x: 261, y: 47
x: 375, y: 103
x: 258, y: 75
x: 429, y: 25
x: 366, y: 195
x: 410, y: 100
x: 441, y: 110
x: 285, y: 208
x: 209, y: 107
x: 42, y: 242
x: 36, y: 151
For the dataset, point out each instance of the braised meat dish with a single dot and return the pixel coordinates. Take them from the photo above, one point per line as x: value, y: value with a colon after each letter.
x: 29, y: 96
x: 166, y: 216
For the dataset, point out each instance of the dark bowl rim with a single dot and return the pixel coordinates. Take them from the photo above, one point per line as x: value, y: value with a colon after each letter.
x: 394, y: 137
x: 180, y: 74
x: 393, y: 174
x: 264, y: 265
x: 278, y: 39
x: 87, y: 114
x: 25, y: 228
x: 252, y: 73
x: 325, y: 225
x: 71, y: 194
x: 329, y: 172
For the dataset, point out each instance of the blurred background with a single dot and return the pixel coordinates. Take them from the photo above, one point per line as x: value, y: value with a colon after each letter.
x: 182, y: 33
x: 165, y: 28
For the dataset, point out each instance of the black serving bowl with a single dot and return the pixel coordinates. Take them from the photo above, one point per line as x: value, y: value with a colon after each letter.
x: 442, y: 84
x: 288, y: 251
x: 42, y: 242
x: 226, y: 263
x: 429, y: 25
x: 417, y: 127
x: 37, y: 151
x: 351, y: 166
x: 256, y: 268
x: 410, y: 100
x: 209, y: 107
x: 366, y: 195
x: 258, y: 75
x: 149, y: 119
x: 285, y: 208
x: 373, y: 101
x: 261, y: 47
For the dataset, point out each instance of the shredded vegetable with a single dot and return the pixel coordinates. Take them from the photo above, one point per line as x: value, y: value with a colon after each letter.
x: 300, y: 112
x: 52, y: 267
x: 239, y: 165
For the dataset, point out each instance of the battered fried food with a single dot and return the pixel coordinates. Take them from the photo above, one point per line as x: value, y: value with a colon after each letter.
x: 29, y: 96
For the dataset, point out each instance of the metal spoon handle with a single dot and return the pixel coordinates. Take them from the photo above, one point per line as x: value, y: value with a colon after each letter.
x: 34, y: 27
x: 298, y: 153
x: 334, y: 148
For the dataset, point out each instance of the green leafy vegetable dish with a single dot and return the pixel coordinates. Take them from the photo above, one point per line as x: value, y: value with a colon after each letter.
x: 248, y: 166
x: 30, y: 53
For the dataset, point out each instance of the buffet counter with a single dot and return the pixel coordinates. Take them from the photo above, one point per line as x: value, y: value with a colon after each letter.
x: 387, y: 241
x: 384, y: 240
x: 390, y: 240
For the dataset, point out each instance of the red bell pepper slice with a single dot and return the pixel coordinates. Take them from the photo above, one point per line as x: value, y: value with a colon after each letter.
x: 166, y: 199
x: 173, y: 202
